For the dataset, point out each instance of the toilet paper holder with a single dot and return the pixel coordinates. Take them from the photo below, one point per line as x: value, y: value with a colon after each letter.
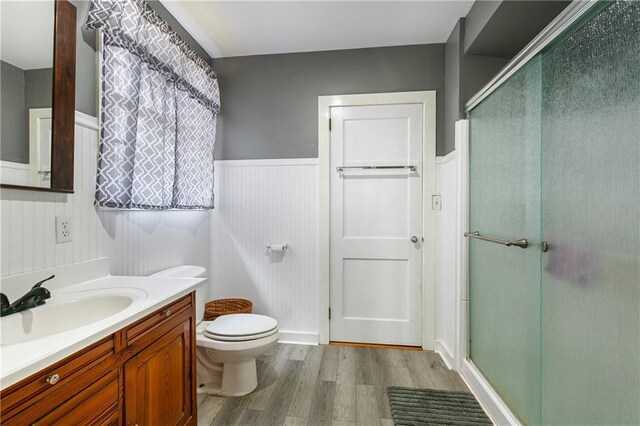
x: 277, y: 247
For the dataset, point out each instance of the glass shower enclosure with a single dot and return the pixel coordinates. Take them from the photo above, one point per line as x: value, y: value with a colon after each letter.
x: 554, y: 159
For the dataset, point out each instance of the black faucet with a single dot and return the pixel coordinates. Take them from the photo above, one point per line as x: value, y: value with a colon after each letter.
x: 34, y: 297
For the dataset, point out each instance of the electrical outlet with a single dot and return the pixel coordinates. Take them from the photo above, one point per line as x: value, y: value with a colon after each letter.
x: 436, y: 202
x: 64, y: 228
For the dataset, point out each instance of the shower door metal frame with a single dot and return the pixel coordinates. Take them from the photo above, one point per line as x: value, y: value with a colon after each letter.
x: 563, y: 21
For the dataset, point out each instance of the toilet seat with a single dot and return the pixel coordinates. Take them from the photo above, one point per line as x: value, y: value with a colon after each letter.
x: 206, y: 342
x: 237, y: 332
x: 241, y: 327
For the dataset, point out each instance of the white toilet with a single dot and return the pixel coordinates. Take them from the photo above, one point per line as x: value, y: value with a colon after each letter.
x: 227, y: 348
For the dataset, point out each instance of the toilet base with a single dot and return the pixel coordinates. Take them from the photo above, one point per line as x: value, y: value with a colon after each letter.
x: 235, y: 378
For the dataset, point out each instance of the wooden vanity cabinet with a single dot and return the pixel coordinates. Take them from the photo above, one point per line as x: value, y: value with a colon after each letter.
x: 158, y: 381
x: 143, y: 374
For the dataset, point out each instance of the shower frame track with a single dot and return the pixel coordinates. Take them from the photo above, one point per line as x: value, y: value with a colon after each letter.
x: 564, y: 20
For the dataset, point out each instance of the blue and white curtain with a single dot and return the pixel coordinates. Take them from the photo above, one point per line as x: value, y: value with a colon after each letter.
x: 159, y: 105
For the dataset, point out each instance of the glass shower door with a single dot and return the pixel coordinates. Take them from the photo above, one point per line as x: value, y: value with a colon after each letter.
x: 504, y: 287
x: 591, y: 220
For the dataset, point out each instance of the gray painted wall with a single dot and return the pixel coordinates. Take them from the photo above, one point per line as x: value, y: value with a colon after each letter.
x: 86, y: 77
x: 38, y: 86
x: 477, y: 18
x: 476, y: 71
x: 14, y: 122
x: 453, y: 99
x: 21, y: 91
x: 270, y: 102
x: 465, y: 74
x: 504, y: 30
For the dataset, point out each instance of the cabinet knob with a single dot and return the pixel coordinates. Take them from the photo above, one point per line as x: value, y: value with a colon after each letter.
x: 53, y: 379
x: 166, y: 313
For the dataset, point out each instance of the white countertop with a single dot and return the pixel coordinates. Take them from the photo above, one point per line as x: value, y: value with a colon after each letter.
x: 20, y: 360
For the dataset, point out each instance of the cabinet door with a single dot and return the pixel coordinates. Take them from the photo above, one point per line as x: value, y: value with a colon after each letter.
x: 158, y: 386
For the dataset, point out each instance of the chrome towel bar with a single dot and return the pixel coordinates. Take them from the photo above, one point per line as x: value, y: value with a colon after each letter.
x: 516, y: 243
x: 340, y: 169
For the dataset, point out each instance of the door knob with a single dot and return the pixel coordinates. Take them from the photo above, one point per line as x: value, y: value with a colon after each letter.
x: 414, y: 239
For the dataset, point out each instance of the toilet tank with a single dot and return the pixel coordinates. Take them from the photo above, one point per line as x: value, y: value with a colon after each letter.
x: 189, y: 271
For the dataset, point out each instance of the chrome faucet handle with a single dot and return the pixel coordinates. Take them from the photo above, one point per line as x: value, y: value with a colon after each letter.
x: 38, y: 284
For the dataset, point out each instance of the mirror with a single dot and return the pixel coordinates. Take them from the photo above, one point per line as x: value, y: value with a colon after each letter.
x: 37, y: 94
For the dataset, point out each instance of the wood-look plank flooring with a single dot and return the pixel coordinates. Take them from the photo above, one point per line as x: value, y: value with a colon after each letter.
x: 328, y: 385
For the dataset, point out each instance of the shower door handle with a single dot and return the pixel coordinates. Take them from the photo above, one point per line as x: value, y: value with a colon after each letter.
x: 518, y: 243
x: 522, y: 243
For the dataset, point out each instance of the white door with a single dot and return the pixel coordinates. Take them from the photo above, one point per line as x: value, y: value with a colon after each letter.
x: 40, y: 146
x: 375, y: 212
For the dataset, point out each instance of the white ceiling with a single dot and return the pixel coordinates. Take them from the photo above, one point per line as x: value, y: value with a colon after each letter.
x: 239, y: 28
x: 26, y: 39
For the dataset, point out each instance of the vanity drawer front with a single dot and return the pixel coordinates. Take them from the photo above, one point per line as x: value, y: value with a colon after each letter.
x: 36, y: 395
x: 156, y: 319
x: 95, y: 405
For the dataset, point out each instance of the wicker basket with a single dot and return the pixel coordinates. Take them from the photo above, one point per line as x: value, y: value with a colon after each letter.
x: 220, y: 307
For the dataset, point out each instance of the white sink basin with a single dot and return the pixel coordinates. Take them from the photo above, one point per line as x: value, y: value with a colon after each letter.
x: 66, y: 312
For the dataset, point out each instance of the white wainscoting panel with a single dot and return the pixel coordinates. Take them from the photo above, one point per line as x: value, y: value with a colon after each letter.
x: 446, y: 255
x: 14, y: 173
x: 138, y: 242
x: 262, y: 201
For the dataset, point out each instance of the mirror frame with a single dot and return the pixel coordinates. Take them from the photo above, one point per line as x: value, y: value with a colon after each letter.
x: 63, y: 102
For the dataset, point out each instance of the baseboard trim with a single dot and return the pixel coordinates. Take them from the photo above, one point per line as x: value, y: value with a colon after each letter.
x: 446, y: 356
x: 375, y: 346
x: 298, y: 338
x: 494, y: 406
x: 429, y: 344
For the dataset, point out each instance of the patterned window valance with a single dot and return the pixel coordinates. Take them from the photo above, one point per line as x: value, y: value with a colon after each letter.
x: 159, y: 106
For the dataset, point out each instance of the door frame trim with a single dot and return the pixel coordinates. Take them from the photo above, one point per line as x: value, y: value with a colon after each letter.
x: 428, y: 101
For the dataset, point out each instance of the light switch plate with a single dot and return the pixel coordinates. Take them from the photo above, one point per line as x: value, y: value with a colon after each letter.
x: 64, y: 229
x: 436, y: 202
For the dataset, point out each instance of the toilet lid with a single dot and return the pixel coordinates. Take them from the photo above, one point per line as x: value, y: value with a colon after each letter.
x: 241, y: 327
